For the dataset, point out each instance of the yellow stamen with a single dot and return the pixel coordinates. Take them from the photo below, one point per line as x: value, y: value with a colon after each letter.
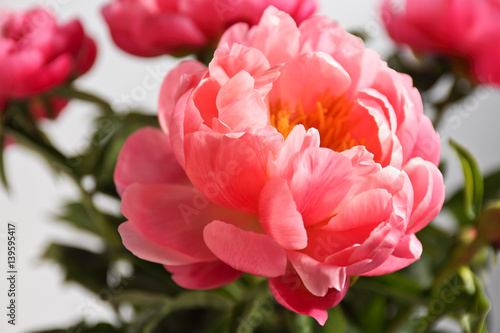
x: 332, y: 117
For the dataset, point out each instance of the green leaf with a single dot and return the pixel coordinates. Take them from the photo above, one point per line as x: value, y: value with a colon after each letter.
x: 101, y: 155
x: 252, y: 311
x: 76, y: 214
x: 83, y: 267
x: 480, y: 309
x: 474, y: 184
x: 159, y: 307
x: 299, y: 323
x: 337, y: 322
x: 149, y: 318
x: 491, y: 192
x: 374, y: 317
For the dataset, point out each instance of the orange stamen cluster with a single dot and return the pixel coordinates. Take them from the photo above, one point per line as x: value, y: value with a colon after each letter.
x: 332, y: 117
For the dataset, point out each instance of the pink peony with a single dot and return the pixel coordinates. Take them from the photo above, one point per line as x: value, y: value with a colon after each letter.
x: 462, y: 29
x: 297, y: 155
x: 150, y: 28
x: 37, y: 54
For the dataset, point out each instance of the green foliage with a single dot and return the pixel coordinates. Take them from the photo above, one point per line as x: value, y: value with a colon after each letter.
x: 86, y: 268
x: 474, y: 184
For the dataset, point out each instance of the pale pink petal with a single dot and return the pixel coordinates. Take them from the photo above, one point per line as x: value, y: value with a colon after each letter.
x: 305, y: 79
x: 279, y: 217
x: 289, y: 291
x: 147, y: 158
x: 245, y: 251
x: 397, y: 184
x: 141, y: 246
x: 319, y: 179
x: 316, y: 276
x: 321, y: 34
x: 297, y: 141
x: 428, y: 145
x: 240, y: 105
x: 229, y: 170
x: 429, y: 192
x: 368, y: 208
x: 205, y: 100
x: 203, y: 275
x: 228, y: 62
x: 275, y: 30
x: 377, y: 248
x: 406, y: 253
x: 177, y: 82
x: 172, y: 216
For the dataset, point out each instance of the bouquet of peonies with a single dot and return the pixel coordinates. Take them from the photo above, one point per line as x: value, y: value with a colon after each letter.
x: 289, y: 178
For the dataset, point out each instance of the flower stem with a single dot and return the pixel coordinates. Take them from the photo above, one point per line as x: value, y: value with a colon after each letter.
x: 60, y: 163
x: 71, y: 93
x: 464, y: 258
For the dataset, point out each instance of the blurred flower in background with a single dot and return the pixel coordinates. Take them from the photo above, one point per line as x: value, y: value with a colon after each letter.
x: 150, y: 28
x: 37, y: 55
x: 465, y: 31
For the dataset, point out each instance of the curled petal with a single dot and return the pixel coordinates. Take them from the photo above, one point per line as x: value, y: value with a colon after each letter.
x: 406, y: 253
x: 245, y: 251
x: 289, y: 291
x: 429, y: 192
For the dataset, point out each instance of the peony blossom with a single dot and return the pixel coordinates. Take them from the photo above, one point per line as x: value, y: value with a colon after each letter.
x: 152, y: 28
x: 296, y: 155
x: 461, y: 29
x: 37, y: 55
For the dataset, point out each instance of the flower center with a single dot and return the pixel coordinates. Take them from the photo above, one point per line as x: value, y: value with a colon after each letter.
x: 332, y: 117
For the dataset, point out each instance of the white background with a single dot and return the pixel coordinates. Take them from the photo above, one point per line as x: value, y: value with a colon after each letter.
x: 44, y: 301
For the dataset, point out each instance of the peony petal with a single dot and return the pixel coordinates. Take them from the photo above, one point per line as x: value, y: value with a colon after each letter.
x: 275, y: 30
x: 429, y: 192
x: 245, y: 251
x: 321, y: 34
x: 406, y: 253
x: 177, y: 82
x: 297, y: 141
x: 241, y: 106
x: 377, y: 248
x: 289, y: 291
x: 368, y: 208
x: 174, y: 217
x: 279, y: 217
x: 228, y: 62
x: 229, y: 170
x: 305, y: 79
x: 141, y: 246
x: 203, y: 275
x: 319, y: 180
x: 428, y: 145
x: 147, y: 158
x: 316, y: 276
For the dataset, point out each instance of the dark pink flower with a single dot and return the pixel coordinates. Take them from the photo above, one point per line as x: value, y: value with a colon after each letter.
x: 462, y: 29
x: 149, y: 28
x: 37, y: 54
